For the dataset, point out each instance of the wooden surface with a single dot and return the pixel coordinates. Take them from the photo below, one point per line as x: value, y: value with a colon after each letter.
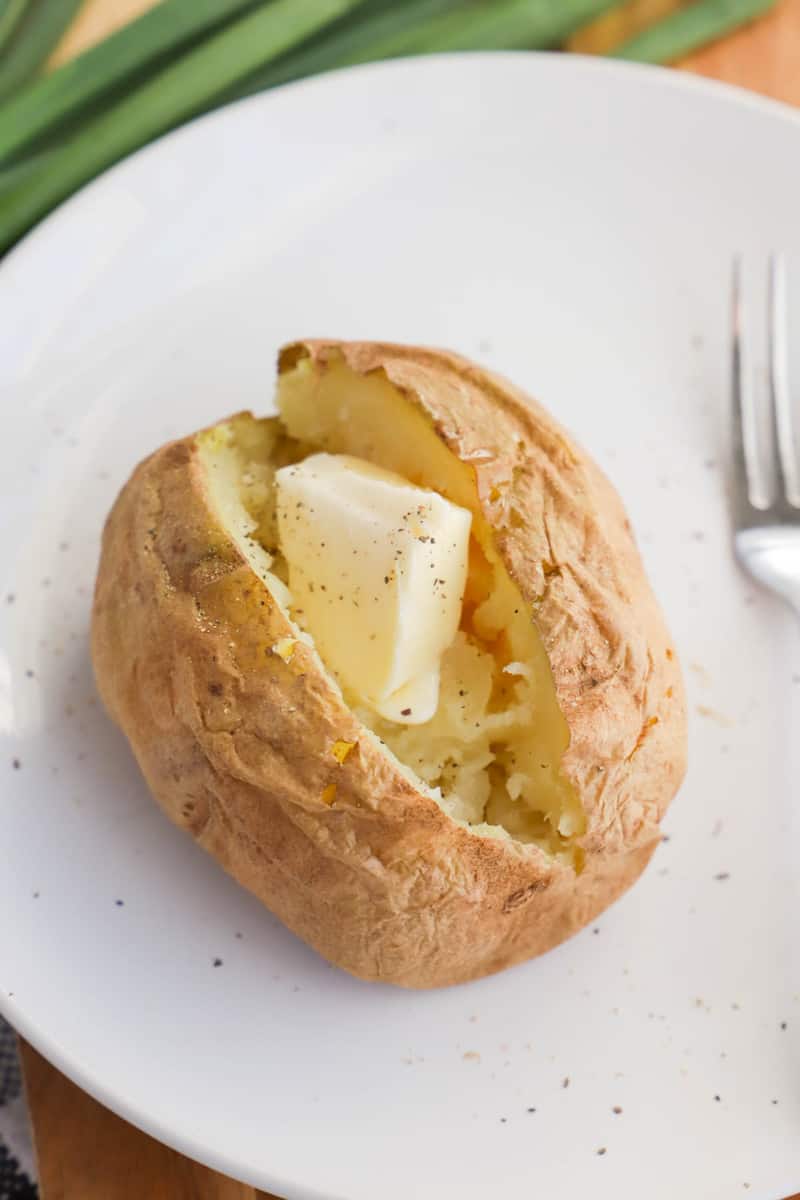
x: 763, y: 57
x: 84, y: 1151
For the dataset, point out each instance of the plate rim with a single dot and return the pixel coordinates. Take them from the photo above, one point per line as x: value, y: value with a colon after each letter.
x: 649, y: 73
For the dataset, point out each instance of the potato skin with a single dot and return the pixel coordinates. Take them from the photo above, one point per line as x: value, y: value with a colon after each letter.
x: 236, y: 743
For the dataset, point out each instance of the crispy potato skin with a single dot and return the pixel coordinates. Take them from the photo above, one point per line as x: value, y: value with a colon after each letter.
x: 236, y: 744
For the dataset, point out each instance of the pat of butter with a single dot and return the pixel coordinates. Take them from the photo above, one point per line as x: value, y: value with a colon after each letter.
x: 377, y: 571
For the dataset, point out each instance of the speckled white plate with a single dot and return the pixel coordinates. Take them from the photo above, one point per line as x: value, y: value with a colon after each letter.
x: 570, y: 223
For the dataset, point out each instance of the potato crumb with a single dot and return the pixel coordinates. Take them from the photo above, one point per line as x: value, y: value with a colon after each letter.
x: 516, y: 783
x: 284, y: 648
x: 340, y: 750
x: 328, y: 794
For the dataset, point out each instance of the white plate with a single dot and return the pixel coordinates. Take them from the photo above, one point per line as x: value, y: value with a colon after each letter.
x: 572, y: 224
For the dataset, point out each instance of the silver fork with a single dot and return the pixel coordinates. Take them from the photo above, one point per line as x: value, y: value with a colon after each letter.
x: 766, y: 510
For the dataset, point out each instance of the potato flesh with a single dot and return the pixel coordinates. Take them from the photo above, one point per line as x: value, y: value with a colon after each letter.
x: 491, y: 754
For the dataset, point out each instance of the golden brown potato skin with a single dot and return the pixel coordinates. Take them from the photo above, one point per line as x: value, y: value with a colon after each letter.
x: 235, y: 743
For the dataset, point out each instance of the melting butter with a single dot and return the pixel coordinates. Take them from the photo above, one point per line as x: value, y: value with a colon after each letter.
x: 377, y: 572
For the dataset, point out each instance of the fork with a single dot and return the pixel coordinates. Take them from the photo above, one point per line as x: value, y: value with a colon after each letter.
x: 766, y: 511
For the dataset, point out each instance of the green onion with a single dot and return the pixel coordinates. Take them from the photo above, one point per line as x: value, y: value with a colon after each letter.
x: 689, y: 28
x: 48, y: 105
x: 177, y: 93
x: 10, y: 16
x: 428, y: 26
x: 19, y: 173
x: 32, y: 39
x: 353, y: 39
x: 501, y: 25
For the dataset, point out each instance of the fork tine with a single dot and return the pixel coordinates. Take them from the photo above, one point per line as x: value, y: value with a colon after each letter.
x: 744, y: 450
x: 786, y: 468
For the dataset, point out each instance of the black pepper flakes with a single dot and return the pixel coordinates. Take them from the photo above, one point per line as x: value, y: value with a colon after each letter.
x: 784, y: 1026
x: 616, y: 1110
x: 16, y: 764
x: 120, y: 903
x: 217, y: 962
x: 717, y: 1099
x: 722, y: 875
x: 601, y: 1151
x: 405, y: 712
x: 531, y: 1110
x: 565, y: 1083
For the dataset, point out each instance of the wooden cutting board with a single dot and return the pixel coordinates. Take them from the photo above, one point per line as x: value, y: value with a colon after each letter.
x: 84, y: 1151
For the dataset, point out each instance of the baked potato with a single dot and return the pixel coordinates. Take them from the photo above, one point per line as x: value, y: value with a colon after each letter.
x: 416, y: 854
